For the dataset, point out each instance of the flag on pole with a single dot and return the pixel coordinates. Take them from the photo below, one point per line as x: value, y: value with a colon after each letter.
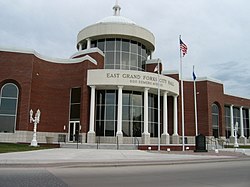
x: 156, y: 68
x: 194, y: 76
x: 183, y: 48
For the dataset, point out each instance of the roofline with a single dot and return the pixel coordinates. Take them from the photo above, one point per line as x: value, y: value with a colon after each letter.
x: 48, y: 59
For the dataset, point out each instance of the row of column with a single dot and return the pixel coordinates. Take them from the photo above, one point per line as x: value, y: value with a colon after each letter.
x: 242, y: 136
x: 145, y: 134
x: 88, y: 44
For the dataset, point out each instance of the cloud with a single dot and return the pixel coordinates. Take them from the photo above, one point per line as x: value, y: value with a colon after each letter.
x: 216, y: 32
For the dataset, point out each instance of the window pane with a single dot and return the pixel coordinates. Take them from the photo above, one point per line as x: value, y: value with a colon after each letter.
x: 137, y: 100
x: 100, y: 44
x: 134, y: 47
x: 8, y: 106
x: 137, y: 129
x: 117, y: 58
x: 133, y: 59
x: 126, y: 113
x: 110, y: 98
x: 9, y: 90
x: 110, y: 113
x: 93, y: 44
x: 76, y: 95
x: 125, y: 45
x: 7, y: 123
x: 125, y: 60
x: 118, y: 44
x: 126, y: 128
x: 75, y: 111
x: 109, y: 128
x: 100, y: 128
x: 125, y: 99
x: 110, y: 45
x: 137, y: 114
x: 109, y: 58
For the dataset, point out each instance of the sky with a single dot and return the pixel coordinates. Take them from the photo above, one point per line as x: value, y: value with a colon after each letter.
x: 217, y: 32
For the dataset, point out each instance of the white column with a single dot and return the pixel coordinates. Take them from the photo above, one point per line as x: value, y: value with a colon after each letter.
x: 175, y: 136
x: 80, y: 46
x: 145, y: 134
x: 243, y: 139
x: 249, y: 120
x: 91, y: 133
x: 241, y: 123
x: 165, y: 113
x: 146, y: 110
x: 175, y: 116
x: 165, y: 135
x: 232, y: 120
x: 88, y: 43
x: 119, y: 112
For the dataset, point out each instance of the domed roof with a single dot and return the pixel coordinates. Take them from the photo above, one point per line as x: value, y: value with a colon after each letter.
x: 116, y: 18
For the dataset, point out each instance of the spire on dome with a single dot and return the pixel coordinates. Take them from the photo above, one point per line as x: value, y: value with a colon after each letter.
x: 116, y: 9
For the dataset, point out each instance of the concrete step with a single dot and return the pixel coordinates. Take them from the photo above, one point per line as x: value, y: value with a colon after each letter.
x: 99, y: 146
x: 213, y: 146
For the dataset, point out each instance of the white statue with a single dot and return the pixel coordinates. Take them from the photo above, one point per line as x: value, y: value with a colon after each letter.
x: 236, y: 145
x: 35, y: 120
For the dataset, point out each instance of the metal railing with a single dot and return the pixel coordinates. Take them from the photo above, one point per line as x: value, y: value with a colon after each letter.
x: 136, y: 142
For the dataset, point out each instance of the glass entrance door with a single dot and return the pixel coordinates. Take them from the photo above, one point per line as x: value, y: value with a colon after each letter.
x: 74, y: 129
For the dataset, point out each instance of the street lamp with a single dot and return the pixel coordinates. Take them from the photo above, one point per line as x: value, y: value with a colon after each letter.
x: 236, y: 145
x: 35, y: 121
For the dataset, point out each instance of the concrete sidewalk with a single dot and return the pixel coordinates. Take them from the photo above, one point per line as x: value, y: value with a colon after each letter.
x: 100, y: 157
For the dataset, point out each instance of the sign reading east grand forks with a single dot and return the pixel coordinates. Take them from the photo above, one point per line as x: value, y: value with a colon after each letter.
x: 132, y: 78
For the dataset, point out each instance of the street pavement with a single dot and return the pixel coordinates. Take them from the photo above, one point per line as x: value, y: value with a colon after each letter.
x: 102, y: 157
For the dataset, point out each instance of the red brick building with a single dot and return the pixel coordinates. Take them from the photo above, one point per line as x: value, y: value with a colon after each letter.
x: 108, y: 91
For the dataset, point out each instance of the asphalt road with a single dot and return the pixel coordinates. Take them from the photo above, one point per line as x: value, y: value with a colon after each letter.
x: 219, y: 174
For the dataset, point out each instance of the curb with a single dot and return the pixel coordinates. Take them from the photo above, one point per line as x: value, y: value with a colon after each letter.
x: 118, y: 164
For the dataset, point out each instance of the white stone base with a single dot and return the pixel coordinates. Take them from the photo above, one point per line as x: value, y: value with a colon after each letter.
x: 91, y: 137
x: 165, y: 139
x: 146, y: 138
x: 33, y: 143
x: 243, y: 140
x: 231, y: 139
x: 119, y: 138
x: 175, y: 139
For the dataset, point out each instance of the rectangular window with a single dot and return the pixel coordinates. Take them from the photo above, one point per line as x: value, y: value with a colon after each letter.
x: 75, y: 104
x: 227, y: 121
x: 100, y: 44
x: 125, y: 45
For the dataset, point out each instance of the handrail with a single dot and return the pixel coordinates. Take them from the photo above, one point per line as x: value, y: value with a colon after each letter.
x: 117, y: 142
x: 98, y: 142
x: 216, y: 140
x: 136, y: 140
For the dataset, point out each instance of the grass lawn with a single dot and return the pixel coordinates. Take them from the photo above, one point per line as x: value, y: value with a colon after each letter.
x: 240, y: 146
x: 12, y: 147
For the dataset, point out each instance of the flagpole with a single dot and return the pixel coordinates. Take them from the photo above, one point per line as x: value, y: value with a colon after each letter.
x: 159, y: 115
x: 182, y: 102
x: 195, y: 104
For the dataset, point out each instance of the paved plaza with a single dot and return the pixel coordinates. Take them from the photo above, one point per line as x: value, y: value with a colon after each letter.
x: 99, y: 157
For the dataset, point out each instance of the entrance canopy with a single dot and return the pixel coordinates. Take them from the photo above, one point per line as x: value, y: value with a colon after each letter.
x: 131, y: 80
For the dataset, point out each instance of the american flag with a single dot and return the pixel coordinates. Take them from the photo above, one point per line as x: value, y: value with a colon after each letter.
x: 183, y: 48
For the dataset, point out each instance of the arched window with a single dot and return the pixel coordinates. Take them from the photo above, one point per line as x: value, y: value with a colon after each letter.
x: 8, y: 107
x: 215, y: 120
